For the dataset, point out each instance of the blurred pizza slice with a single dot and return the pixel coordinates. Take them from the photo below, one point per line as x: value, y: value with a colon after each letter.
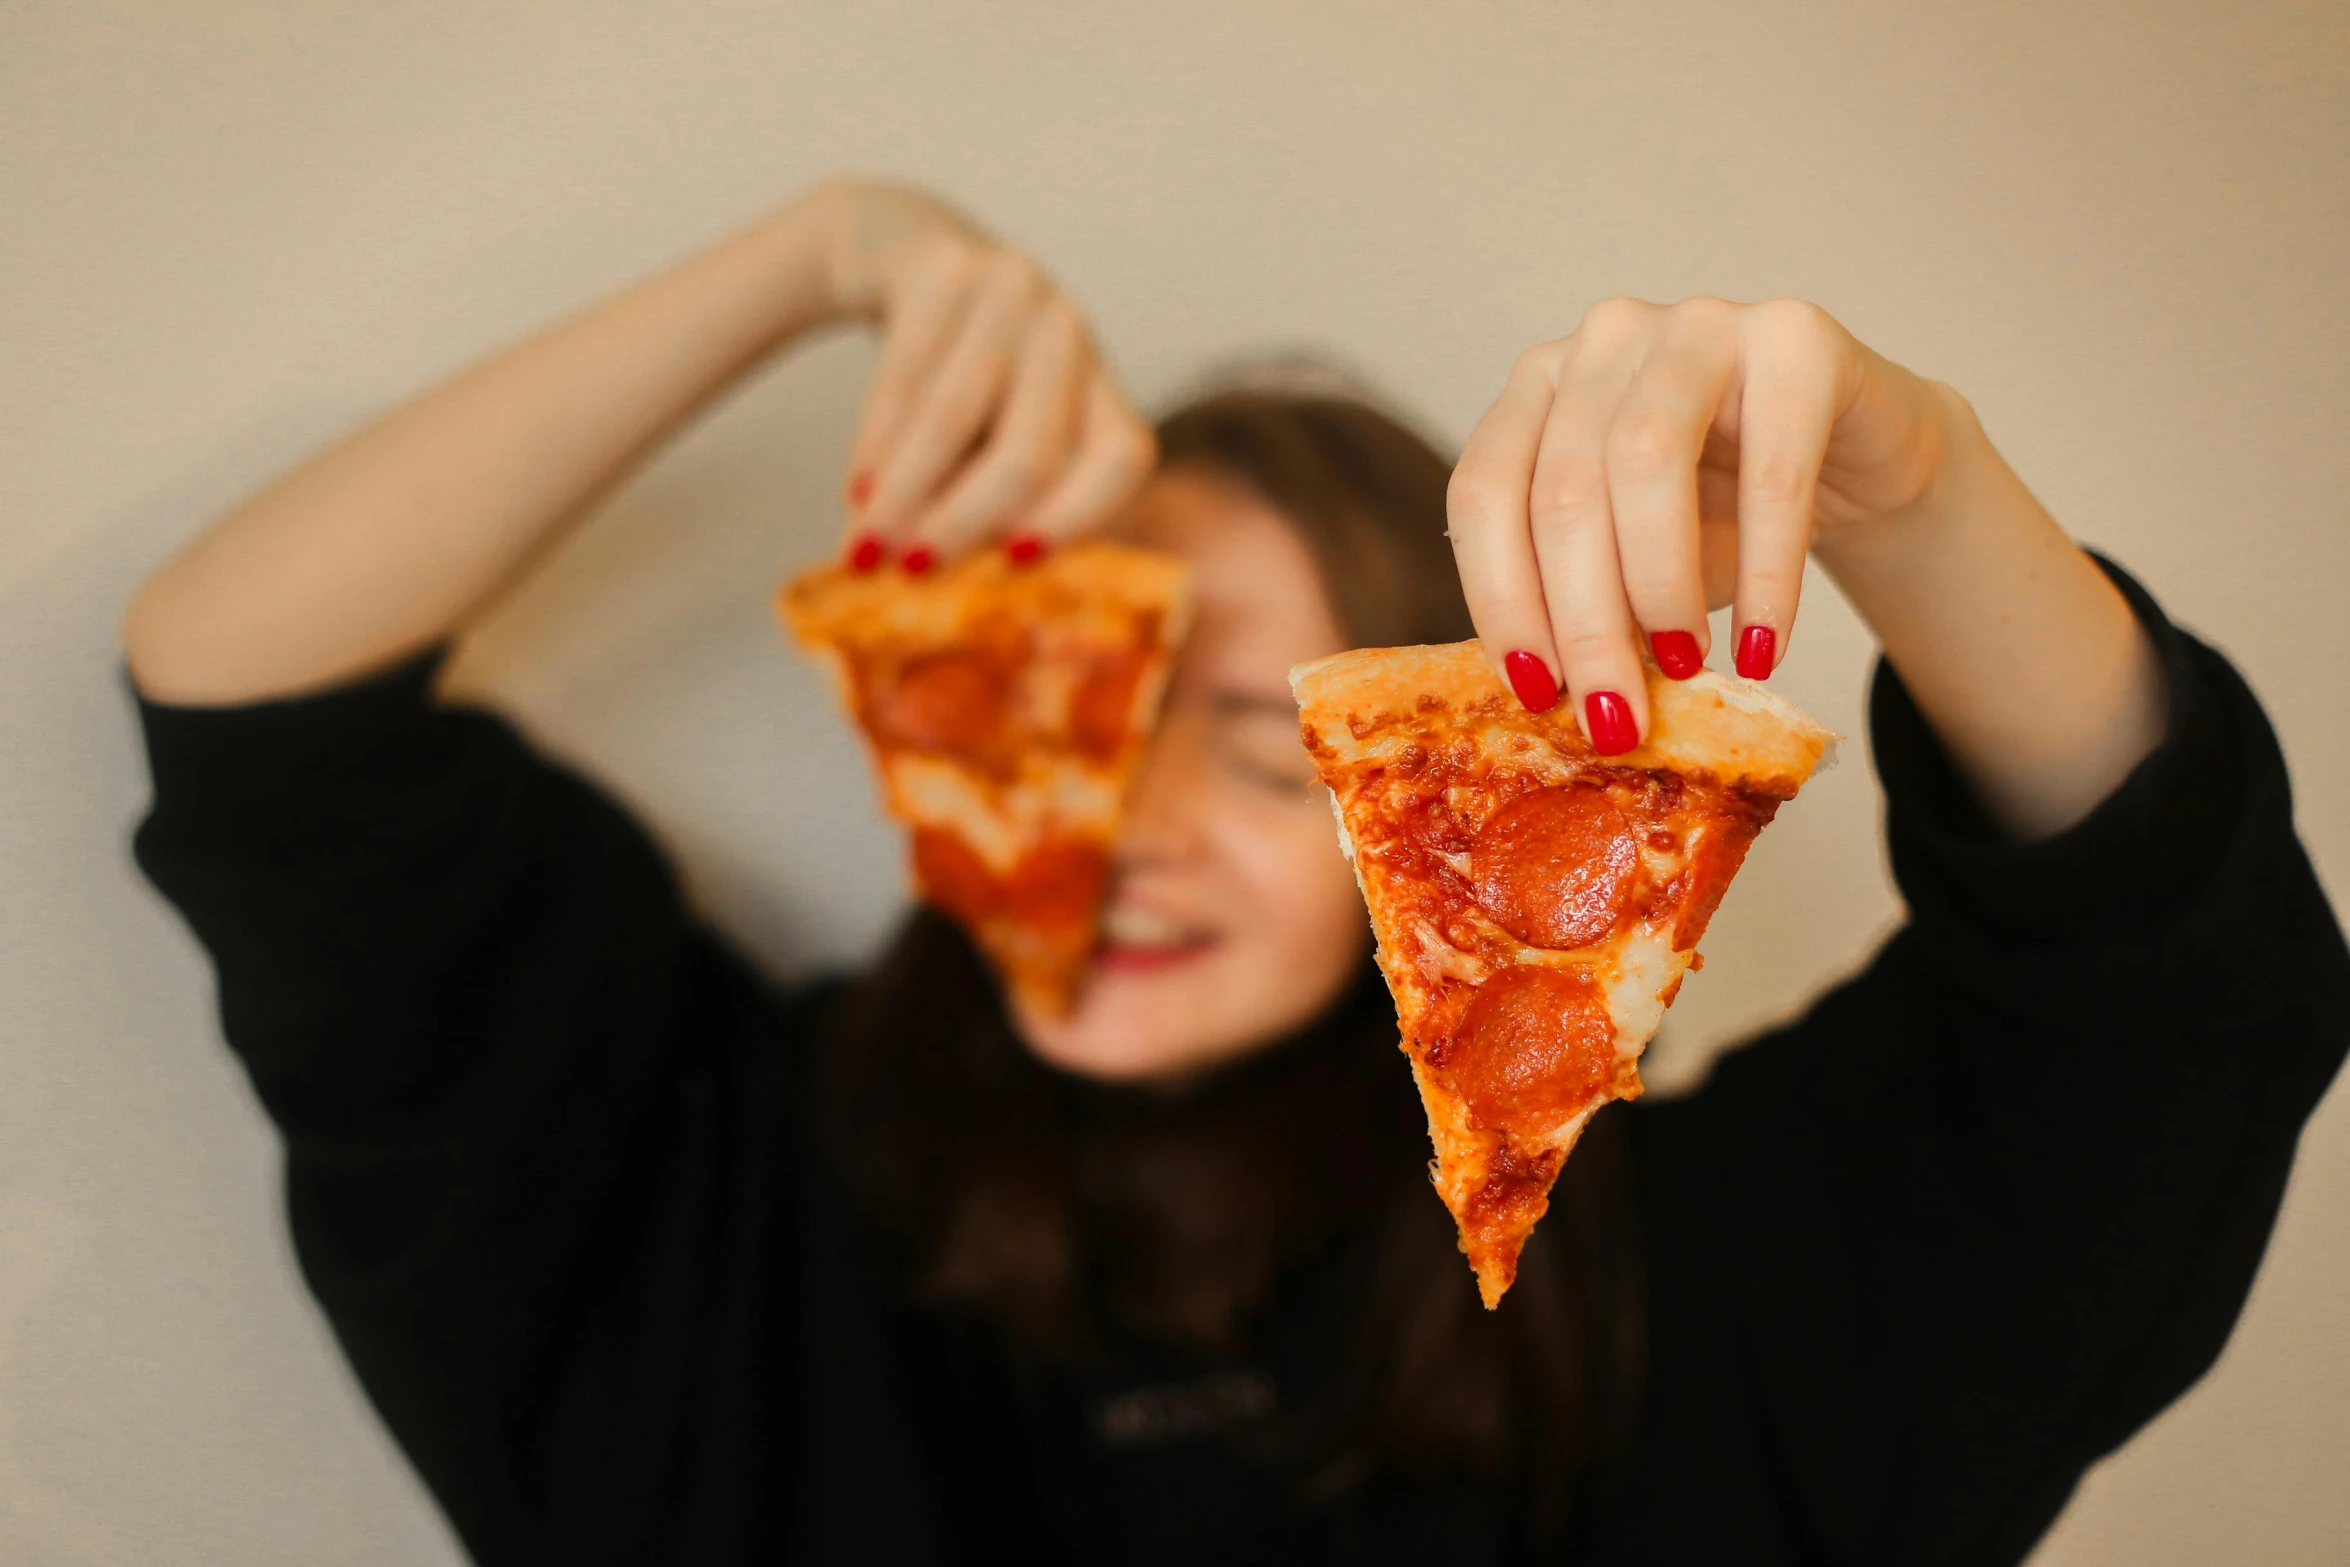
x: 1535, y: 905
x: 1006, y: 707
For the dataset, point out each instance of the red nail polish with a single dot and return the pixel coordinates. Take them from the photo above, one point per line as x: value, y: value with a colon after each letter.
x: 860, y: 489
x: 1676, y: 654
x: 1756, y: 647
x: 1024, y: 548
x: 918, y: 560
x: 1530, y: 678
x: 1607, y: 720
x: 866, y: 551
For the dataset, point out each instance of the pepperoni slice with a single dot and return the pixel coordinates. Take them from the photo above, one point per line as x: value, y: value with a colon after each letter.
x: 1534, y: 1047
x: 953, y: 702
x: 1057, y: 883
x: 953, y: 877
x: 1715, y: 859
x: 1101, y: 714
x: 1554, y: 867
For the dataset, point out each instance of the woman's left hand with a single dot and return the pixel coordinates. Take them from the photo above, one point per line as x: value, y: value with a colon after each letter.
x: 1663, y: 460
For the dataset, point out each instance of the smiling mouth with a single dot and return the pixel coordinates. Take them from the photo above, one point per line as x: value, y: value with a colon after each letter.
x: 1142, y: 941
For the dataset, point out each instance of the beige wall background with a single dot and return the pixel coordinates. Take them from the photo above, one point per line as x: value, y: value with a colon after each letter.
x: 227, y: 231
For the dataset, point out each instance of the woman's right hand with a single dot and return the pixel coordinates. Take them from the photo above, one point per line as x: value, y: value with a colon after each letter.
x: 990, y: 416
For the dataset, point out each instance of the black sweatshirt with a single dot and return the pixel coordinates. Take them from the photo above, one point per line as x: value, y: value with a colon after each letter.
x: 1914, y: 1260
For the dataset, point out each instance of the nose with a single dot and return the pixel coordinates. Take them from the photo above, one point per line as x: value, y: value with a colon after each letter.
x: 1164, y: 802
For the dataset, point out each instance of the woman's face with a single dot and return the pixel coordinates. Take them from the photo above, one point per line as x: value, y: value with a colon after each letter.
x: 1232, y: 917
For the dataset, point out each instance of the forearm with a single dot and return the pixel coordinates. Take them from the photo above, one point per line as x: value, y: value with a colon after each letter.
x: 387, y: 540
x: 2024, y: 658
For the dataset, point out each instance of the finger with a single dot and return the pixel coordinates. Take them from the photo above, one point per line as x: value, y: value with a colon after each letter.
x: 1653, y: 447
x: 1794, y: 358
x: 957, y: 400
x: 933, y: 298
x: 1574, y: 536
x: 1115, y: 453
x: 1486, y: 518
x: 1027, y: 446
x: 1592, y: 625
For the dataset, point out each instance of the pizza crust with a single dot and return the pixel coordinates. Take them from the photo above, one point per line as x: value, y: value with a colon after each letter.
x: 1725, y: 727
x: 1084, y: 587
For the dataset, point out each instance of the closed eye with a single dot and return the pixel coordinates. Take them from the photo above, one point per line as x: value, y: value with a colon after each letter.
x: 1257, y: 742
x: 1285, y: 781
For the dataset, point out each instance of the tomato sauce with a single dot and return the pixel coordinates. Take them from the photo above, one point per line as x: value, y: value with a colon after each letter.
x: 1058, y: 882
x: 1101, y: 714
x: 971, y: 700
x: 953, y: 877
x: 1516, y: 1191
x: 1711, y: 865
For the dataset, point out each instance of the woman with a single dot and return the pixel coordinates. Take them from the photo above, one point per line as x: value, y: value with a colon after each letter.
x: 643, y: 1260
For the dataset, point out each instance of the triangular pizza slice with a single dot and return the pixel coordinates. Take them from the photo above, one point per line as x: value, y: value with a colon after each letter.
x: 1535, y: 904
x: 1006, y: 706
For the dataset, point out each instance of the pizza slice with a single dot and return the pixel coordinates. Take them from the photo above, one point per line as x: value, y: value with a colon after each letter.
x: 1006, y: 707
x: 1535, y: 905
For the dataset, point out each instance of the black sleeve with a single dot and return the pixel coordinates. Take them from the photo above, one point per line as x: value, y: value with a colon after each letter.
x: 1997, y: 1200
x: 517, y: 1086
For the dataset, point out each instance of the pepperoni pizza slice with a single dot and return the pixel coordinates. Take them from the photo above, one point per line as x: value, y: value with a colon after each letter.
x: 1535, y: 905
x: 1005, y: 706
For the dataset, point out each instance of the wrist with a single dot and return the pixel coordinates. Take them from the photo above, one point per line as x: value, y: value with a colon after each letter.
x: 1959, y: 485
x: 806, y: 240
x: 2025, y: 659
x: 1971, y: 523
x: 828, y: 225
x: 859, y: 234
x: 1964, y: 461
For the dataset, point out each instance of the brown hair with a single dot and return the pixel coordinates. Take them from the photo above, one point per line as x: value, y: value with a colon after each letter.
x: 1064, y: 1214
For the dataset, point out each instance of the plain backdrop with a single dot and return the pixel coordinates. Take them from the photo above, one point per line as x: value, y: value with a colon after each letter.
x: 227, y: 231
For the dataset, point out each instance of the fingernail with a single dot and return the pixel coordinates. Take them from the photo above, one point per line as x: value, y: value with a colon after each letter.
x: 1676, y: 654
x: 1530, y: 678
x: 1756, y: 646
x: 918, y: 560
x: 860, y: 489
x: 1607, y: 720
x: 866, y: 551
x: 1023, y: 548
